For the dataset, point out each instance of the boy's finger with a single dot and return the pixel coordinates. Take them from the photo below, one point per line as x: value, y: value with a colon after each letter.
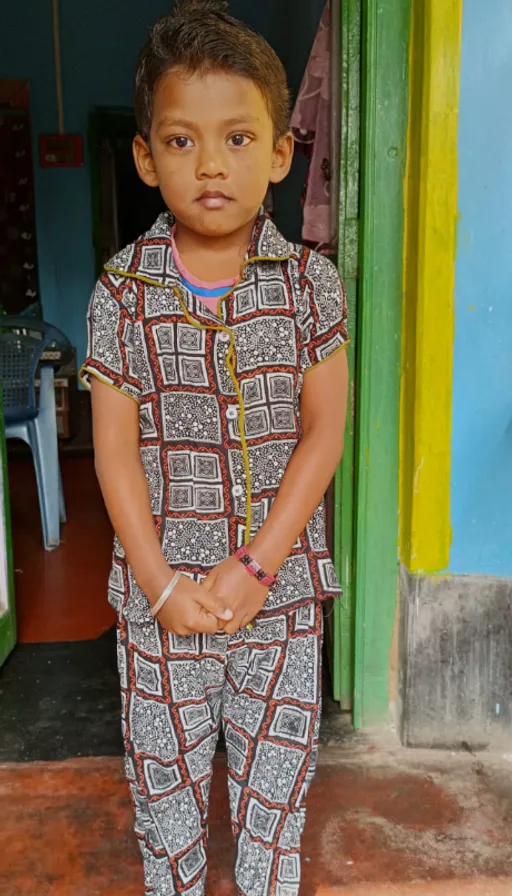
x: 233, y: 626
x: 213, y: 605
x: 207, y: 624
x: 198, y: 622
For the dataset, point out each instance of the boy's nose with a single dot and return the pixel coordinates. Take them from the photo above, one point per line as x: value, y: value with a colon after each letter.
x: 211, y: 163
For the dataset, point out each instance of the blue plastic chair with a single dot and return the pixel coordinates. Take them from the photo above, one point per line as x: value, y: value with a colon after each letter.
x: 22, y: 343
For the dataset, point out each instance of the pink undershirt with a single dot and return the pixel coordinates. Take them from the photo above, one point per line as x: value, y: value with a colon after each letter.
x: 211, y: 302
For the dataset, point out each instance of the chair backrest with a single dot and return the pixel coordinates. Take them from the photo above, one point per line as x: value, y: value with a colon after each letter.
x: 22, y: 342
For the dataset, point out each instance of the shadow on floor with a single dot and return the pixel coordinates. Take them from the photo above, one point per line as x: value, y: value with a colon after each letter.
x: 61, y: 701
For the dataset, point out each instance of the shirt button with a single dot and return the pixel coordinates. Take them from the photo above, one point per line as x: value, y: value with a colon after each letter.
x: 238, y: 491
x: 232, y: 412
x: 224, y: 337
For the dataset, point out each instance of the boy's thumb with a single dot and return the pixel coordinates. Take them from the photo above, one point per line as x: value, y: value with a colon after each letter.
x: 215, y: 606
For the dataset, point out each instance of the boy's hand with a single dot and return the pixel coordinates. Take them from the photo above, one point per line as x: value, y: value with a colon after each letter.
x: 236, y: 589
x: 192, y: 609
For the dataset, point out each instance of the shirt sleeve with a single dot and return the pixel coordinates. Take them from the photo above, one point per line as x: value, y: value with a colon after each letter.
x: 111, y: 354
x: 324, y: 321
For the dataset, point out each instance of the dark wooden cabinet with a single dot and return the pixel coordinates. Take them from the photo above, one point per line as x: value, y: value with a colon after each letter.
x: 19, y: 282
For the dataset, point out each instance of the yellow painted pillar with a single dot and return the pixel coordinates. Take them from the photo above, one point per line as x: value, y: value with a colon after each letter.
x: 429, y: 280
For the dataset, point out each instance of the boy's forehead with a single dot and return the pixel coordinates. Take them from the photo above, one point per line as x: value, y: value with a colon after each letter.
x: 213, y: 95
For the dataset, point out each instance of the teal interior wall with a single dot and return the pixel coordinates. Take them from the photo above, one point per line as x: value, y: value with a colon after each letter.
x: 100, y: 41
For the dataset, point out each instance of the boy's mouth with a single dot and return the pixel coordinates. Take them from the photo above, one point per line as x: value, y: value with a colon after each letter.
x: 213, y: 199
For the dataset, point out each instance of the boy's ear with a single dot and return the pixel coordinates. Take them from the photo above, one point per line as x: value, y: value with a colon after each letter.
x: 282, y: 158
x: 144, y: 161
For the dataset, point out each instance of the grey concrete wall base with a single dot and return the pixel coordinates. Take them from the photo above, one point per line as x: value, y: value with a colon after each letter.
x: 456, y: 661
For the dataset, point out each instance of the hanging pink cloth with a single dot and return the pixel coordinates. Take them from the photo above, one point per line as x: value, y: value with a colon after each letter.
x: 310, y: 128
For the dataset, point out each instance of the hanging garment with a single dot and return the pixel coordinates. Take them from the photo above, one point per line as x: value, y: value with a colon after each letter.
x: 310, y: 128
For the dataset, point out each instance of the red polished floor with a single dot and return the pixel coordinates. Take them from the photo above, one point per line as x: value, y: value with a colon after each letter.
x: 61, y: 595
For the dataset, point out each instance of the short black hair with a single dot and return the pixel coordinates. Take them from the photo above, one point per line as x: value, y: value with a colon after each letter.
x: 201, y: 36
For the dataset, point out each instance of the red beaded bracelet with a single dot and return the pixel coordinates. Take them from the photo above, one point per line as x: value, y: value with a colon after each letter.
x: 254, y: 568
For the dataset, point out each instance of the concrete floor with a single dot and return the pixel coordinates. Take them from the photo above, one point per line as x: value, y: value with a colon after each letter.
x: 382, y: 821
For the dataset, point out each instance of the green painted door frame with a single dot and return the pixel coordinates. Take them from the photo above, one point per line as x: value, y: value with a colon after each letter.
x: 348, y: 262
x: 375, y: 50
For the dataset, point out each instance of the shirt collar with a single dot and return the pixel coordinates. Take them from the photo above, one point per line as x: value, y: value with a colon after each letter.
x: 151, y: 257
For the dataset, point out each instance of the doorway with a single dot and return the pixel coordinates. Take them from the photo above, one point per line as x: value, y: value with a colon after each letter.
x: 373, y: 71
x: 123, y: 208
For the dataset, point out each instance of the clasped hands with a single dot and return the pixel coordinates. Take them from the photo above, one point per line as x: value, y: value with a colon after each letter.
x: 227, y: 600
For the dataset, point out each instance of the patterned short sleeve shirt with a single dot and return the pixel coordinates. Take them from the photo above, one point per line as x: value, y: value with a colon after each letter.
x: 218, y: 397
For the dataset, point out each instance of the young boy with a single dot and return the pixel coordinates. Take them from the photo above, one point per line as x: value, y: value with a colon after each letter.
x: 214, y: 449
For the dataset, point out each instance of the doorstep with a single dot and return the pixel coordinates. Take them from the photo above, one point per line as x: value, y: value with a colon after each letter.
x: 489, y: 887
x: 379, y: 819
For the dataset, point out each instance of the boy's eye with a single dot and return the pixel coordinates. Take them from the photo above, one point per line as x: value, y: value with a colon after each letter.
x: 180, y: 142
x: 239, y: 140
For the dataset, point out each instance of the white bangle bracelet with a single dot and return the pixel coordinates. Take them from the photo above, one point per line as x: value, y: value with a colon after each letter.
x: 166, y: 594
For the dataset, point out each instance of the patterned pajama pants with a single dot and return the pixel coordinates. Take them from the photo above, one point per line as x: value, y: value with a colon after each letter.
x: 264, y: 687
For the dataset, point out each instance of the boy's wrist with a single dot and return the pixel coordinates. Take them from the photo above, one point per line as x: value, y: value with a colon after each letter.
x: 254, y: 568
x: 157, y: 581
x: 268, y: 559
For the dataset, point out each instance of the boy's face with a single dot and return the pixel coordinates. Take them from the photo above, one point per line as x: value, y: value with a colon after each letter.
x: 212, y: 150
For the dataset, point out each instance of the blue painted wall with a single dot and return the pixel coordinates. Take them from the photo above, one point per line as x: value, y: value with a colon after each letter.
x: 482, y: 393
x: 100, y: 41
x: 98, y: 54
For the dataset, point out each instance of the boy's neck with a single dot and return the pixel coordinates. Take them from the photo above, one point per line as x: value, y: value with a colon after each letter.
x: 213, y: 258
